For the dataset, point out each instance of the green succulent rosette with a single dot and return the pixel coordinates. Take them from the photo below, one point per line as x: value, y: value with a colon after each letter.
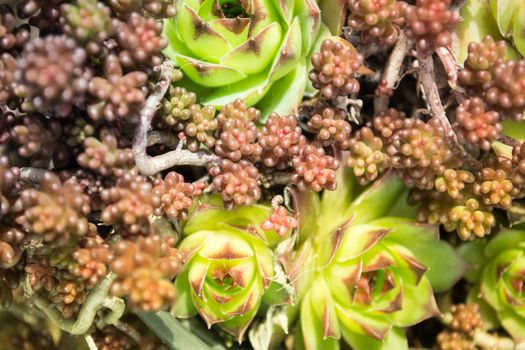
x: 498, y: 270
x: 256, y: 50
x: 229, y: 266
x: 361, y: 272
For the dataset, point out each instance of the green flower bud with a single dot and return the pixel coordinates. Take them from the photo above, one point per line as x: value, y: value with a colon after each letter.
x: 230, y: 49
x: 229, y: 265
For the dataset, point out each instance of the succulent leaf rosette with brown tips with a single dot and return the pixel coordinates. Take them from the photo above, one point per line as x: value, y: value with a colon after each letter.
x: 257, y: 50
x: 228, y: 265
x: 361, y: 273
x: 498, y: 271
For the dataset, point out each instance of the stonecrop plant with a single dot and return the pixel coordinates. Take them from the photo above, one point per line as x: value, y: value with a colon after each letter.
x: 260, y: 174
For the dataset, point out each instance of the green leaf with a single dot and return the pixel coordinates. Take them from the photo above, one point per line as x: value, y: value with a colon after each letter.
x: 289, y: 53
x: 183, y: 305
x: 377, y: 199
x: 333, y: 13
x: 256, y: 53
x: 474, y: 255
x: 285, y: 95
x: 312, y: 330
x: 395, y: 339
x: 477, y: 22
x: 235, y: 30
x: 505, y: 240
x: 518, y: 30
x: 514, y: 129
x: 418, y: 304
x: 208, y: 74
x: 178, y: 337
x: 357, y: 240
x: 310, y: 15
x: 513, y: 323
x: 488, y: 315
x: 251, y: 89
x: 199, y: 37
x: 445, y: 266
x: 503, y: 11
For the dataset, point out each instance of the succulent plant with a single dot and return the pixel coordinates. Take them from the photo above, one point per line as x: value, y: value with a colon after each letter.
x: 331, y: 126
x: 430, y: 23
x: 89, y: 22
x: 378, y: 21
x: 360, y: 273
x: 56, y: 212
x: 260, y: 50
x: 477, y: 124
x: 117, y: 96
x: 335, y: 68
x: 52, y: 75
x: 102, y: 155
x: 281, y: 139
x: 237, y: 182
x: 228, y: 265
x: 314, y: 169
x: 497, y: 271
x: 238, y: 132
x: 140, y: 41
x: 128, y: 205
x: 144, y: 270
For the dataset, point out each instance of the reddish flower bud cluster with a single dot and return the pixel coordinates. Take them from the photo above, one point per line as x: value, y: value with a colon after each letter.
x: 103, y: 155
x: 378, y: 21
x: 56, y: 212
x: 116, y: 96
x: 51, y: 75
x: 173, y: 196
x: 430, y: 23
x: 128, y: 206
x: 237, y: 182
x: 334, y: 69
x: 145, y: 269
x: 141, y: 41
x: 281, y: 139
x: 476, y: 124
x: 280, y: 221
x: 331, y: 126
x: 238, y: 132
x: 313, y: 169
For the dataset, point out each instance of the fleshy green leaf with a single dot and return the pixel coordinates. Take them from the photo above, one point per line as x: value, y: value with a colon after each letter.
x: 474, y: 255
x: 183, y: 305
x: 377, y: 199
x: 255, y: 54
x: 289, y: 53
x: 199, y: 38
x: 311, y: 329
x: 418, y: 304
x: 208, y: 74
x: 172, y: 332
x: 333, y: 13
x: 252, y: 89
x: 285, y: 95
x: 513, y: 323
x: 395, y: 339
x: 518, y: 30
x: 310, y: 15
x: 504, y: 11
x: 445, y: 266
x: 505, y: 240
